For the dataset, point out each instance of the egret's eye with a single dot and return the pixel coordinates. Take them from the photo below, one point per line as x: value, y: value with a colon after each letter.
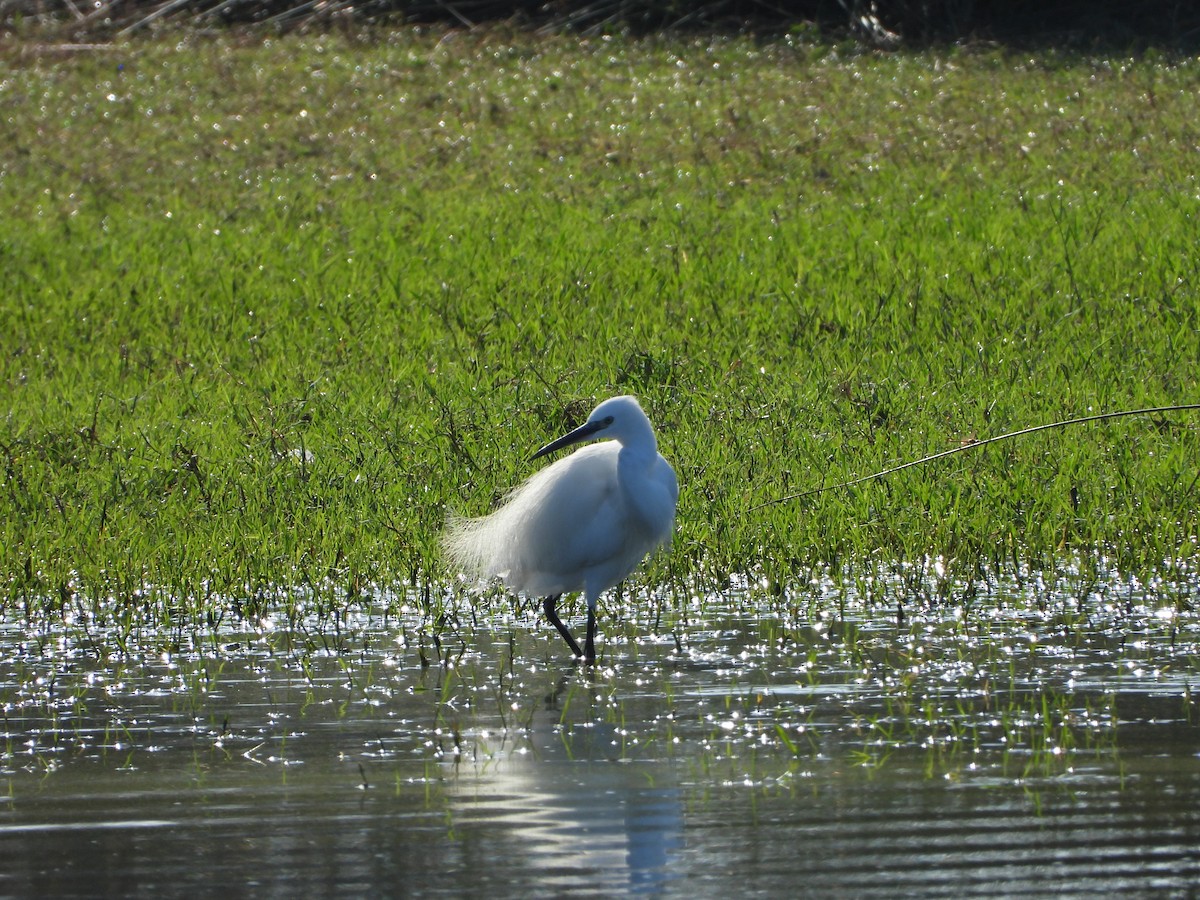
x: 606, y: 421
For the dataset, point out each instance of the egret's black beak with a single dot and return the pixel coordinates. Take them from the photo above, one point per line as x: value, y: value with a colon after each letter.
x: 582, y: 433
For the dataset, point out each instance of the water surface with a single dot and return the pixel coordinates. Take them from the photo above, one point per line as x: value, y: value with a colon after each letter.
x: 1007, y: 748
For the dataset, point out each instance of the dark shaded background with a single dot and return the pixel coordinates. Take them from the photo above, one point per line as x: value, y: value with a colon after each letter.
x: 1102, y: 24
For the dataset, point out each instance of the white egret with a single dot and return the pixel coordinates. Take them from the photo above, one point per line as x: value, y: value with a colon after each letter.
x: 582, y: 523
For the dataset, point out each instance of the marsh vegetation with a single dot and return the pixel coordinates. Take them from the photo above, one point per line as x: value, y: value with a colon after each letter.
x: 270, y: 308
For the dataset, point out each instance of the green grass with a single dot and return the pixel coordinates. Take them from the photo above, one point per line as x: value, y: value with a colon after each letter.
x: 268, y: 309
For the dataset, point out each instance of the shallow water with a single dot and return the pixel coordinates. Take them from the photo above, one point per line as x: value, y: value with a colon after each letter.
x: 1014, y: 748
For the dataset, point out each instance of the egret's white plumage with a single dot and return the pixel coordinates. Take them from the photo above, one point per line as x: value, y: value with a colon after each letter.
x: 583, y: 523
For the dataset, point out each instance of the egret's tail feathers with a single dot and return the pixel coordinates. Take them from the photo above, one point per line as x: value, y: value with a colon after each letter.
x: 498, y: 545
x: 469, y: 544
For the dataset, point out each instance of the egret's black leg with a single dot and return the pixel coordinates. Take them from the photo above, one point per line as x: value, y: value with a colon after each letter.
x: 548, y: 605
x: 589, y: 646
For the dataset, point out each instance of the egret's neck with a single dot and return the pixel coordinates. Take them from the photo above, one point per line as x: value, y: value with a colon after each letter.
x: 640, y: 473
x: 635, y: 460
x: 637, y: 455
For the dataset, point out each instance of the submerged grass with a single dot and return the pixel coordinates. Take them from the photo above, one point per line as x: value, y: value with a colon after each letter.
x: 269, y: 308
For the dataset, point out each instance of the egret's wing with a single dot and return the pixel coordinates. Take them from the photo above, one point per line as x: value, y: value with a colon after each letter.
x: 572, y: 517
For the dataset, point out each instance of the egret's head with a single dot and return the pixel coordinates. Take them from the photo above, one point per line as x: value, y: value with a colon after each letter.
x: 619, y: 418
